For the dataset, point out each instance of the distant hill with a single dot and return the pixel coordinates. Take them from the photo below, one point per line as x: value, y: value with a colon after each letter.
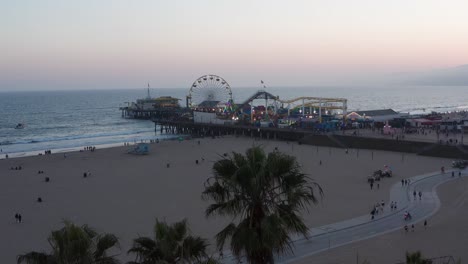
x: 448, y: 76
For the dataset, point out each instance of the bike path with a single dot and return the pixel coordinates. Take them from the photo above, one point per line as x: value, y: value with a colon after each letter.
x: 363, y: 227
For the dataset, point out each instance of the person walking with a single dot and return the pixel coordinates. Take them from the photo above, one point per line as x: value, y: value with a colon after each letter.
x: 16, y: 218
x: 19, y: 218
x: 402, y: 182
x: 425, y: 224
x: 406, y: 229
x: 412, y: 228
x: 453, y: 174
x: 420, y: 194
x: 371, y: 185
x: 414, y: 194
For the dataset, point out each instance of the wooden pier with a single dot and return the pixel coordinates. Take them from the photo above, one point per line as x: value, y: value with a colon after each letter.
x: 308, y: 137
x: 208, y: 130
x: 150, y: 114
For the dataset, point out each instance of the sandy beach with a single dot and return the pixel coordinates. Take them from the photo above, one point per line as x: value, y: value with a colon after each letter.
x: 125, y: 193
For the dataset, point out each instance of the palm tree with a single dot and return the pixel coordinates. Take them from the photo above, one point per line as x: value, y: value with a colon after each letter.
x: 74, y: 244
x: 416, y: 258
x: 171, y: 244
x: 265, y: 195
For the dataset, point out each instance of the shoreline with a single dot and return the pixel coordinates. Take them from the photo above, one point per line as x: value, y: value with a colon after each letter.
x: 22, y: 154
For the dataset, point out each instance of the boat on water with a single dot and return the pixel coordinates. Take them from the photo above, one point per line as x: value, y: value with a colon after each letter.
x: 20, y: 126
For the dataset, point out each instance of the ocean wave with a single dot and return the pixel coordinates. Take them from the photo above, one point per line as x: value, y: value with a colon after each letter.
x: 76, y: 137
x: 429, y: 109
x: 111, y: 124
x: 55, y: 127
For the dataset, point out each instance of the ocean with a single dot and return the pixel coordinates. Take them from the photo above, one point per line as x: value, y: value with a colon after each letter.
x: 70, y: 120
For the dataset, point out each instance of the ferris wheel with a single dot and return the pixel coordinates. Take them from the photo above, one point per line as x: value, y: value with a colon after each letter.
x: 209, y: 89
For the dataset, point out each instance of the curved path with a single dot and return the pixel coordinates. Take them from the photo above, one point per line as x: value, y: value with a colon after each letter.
x: 363, y: 227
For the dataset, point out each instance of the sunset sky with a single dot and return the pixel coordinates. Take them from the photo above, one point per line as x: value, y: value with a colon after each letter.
x: 103, y: 44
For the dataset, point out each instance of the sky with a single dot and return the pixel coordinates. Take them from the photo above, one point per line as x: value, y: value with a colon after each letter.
x: 107, y: 44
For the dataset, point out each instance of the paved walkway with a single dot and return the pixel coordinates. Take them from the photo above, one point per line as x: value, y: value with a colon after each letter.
x: 363, y: 227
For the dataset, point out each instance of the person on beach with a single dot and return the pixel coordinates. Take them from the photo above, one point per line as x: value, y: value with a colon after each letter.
x: 420, y: 194
x: 19, y: 218
x: 412, y: 228
x: 395, y: 206
x: 425, y: 224
x: 414, y: 194
x: 371, y: 185
x: 453, y: 174
x: 16, y: 218
x: 459, y: 174
x: 407, y: 216
x: 402, y: 182
x: 406, y: 228
x: 442, y: 169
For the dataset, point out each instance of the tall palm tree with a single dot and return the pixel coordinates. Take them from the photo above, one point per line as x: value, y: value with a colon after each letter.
x: 74, y: 244
x: 171, y: 244
x: 265, y: 195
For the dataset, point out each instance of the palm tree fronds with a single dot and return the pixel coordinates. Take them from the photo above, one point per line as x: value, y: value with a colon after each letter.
x: 34, y: 257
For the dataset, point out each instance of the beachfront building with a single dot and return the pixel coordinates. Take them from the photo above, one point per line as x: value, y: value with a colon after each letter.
x: 209, y: 118
x: 422, y: 122
x: 149, y: 107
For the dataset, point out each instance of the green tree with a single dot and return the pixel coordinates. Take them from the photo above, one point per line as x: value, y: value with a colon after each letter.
x: 74, y: 244
x: 416, y: 258
x: 265, y: 195
x: 171, y: 244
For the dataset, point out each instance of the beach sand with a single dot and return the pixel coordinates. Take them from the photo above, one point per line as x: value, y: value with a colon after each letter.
x: 445, y: 235
x: 125, y: 193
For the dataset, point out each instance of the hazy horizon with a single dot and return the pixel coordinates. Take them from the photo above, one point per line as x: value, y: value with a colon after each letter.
x: 62, y: 45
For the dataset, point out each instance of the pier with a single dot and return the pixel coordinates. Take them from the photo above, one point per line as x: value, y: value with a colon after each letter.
x: 309, y: 137
x: 208, y: 130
